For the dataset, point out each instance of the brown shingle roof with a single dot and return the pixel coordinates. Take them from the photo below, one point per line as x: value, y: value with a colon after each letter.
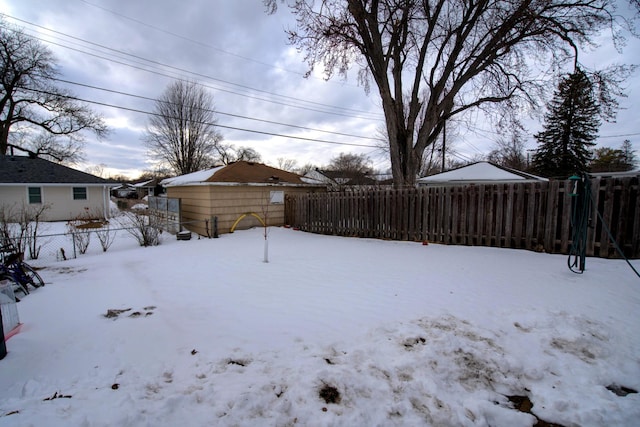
x: 249, y: 172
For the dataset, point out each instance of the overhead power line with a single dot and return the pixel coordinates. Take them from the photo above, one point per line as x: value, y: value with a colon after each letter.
x: 620, y: 136
x: 183, y: 78
x: 221, y: 112
x: 150, y: 113
x: 371, y: 116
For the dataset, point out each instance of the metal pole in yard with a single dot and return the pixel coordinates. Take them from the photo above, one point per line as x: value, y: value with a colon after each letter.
x: 74, y: 245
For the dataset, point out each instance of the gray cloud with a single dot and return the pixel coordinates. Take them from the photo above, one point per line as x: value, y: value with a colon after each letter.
x: 239, y: 52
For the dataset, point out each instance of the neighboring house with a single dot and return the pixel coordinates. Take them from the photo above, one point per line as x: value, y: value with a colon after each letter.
x: 624, y: 174
x: 479, y: 173
x: 124, y: 191
x: 147, y: 188
x: 235, y: 194
x: 338, y: 178
x: 65, y: 192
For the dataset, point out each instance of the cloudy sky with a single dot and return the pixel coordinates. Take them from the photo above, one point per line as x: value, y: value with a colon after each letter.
x: 118, y: 53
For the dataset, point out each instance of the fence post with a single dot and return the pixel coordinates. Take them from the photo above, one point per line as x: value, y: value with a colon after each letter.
x: 73, y: 237
x: 215, y: 227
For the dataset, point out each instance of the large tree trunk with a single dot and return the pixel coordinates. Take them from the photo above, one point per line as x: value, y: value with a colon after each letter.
x: 4, y: 139
x: 433, y: 60
x: 404, y: 155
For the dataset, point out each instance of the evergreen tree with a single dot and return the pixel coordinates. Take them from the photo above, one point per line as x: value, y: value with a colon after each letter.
x: 570, y: 128
x: 628, y: 154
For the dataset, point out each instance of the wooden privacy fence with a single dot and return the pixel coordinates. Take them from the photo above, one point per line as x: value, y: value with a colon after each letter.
x: 534, y: 216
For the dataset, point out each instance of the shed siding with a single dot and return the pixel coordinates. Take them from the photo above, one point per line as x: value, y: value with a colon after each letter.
x: 228, y: 203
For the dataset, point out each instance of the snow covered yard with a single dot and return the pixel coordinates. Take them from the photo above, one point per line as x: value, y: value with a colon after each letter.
x: 331, y: 332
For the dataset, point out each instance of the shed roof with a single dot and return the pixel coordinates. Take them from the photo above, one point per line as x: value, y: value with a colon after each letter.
x: 148, y: 183
x: 28, y: 170
x: 238, y: 173
x: 480, y: 172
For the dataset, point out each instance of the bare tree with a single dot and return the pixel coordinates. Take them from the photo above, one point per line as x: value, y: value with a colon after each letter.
x: 53, y: 147
x: 349, y: 162
x: 247, y: 154
x: 182, y: 132
x: 435, y: 161
x: 30, y: 100
x: 97, y: 170
x: 289, y: 165
x: 158, y: 173
x: 432, y: 60
x: 224, y: 154
x: 306, y: 168
x: 510, y: 151
x: 67, y: 150
x: 227, y: 153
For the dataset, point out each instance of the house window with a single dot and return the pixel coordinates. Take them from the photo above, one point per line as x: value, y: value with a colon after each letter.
x: 35, y: 195
x: 79, y: 193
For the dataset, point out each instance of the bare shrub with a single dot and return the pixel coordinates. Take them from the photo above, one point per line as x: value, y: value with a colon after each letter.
x: 106, y: 236
x: 35, y: 216
x: 80, y: 236
x: 144, y: 228
x: 10, y: 233
x: 81, y: 228
x: 19, y: 227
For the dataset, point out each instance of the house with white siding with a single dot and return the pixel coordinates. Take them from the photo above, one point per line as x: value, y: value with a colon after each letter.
x: 64, y: 192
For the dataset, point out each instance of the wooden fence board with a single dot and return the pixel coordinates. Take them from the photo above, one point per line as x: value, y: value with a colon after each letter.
x: 623, y: 212
x: 499, y: 230
x: 565, y: 221
x: 591, y: 231
x: 518, y: 195
x: 635, y: 232
x: 510, y: 207
x: 635, y: 243
x: 607, y: 214
x: 471, y: 219
x: 551, y: 215
x: 533, y: 216
x: 530, y: 212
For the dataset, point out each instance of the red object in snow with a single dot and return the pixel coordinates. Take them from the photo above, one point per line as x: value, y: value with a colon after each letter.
x: 13, y: 332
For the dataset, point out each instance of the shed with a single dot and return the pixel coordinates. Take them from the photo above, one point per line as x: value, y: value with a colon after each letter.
x: 240, y: 195
x: 479, y: 173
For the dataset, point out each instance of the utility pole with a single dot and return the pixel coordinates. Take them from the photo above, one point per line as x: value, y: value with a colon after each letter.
x: 444, y: 142
x: 528, y: 157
